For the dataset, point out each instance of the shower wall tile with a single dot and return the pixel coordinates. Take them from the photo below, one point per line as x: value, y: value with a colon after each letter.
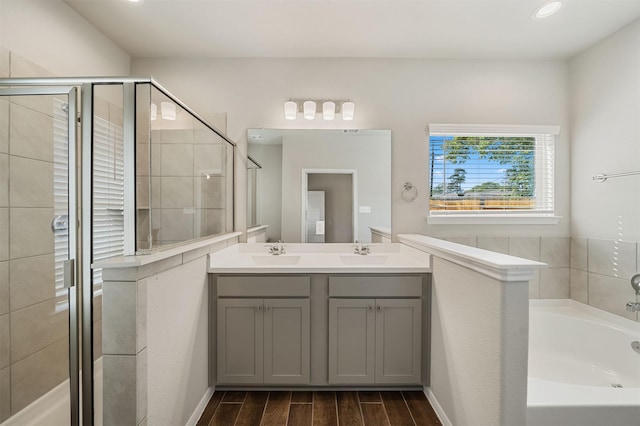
x: 177, y: 225
x: 4, y: 287
x: 525, y: 247
x: 4, y: 180
x: 212, y: 221
x: 208, y: 158
x: 612, y: 258
x: 554, y: 283
x: 555, y: 251
x: 210, y: 193
x: 495, y: 244
x: 5, y: 394
x: 97, y: 340
x: 143, y: 157
x: 156, y: 159
x: 119, y: 317
x: 4, y: 234
x: 31, y: 233
x: 579, y: 253
x: 5, y: 341
x: 177, y: 160
x: 37, y: 326
x: 177, y: 136
x: 610, y: 294
x: 30, y: 134
x: 176, y: 192
x: 466, y: 241
x: 579, y: 290
x: 35, y: 375
x: 32, y: 280
x: 31, y: 183
x: 156, y: 192
x: 142, y: 192
x: 4, y: 126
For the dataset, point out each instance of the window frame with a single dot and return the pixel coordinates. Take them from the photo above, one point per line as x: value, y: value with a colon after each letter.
x: 515, y: 217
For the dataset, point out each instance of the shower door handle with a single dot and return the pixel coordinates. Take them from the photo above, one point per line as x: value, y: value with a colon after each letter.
x: 69, y: 273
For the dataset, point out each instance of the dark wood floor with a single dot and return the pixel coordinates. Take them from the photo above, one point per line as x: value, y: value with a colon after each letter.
x: 318, y: 409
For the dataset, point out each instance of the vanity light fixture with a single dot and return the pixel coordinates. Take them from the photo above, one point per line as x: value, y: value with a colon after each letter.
x: 547, y: 9
x: 168, y: 110
x: 348, y: 110
x: 290, y: 110
x: 330, y: 108
x: 309, y: 110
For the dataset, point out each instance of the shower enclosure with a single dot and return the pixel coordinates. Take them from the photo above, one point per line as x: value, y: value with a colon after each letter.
x: 90, y: 168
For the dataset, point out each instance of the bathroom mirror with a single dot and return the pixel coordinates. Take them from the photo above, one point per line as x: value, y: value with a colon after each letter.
x: 326, y: 186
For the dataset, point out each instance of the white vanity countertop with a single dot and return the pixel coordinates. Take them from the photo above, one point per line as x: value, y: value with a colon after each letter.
x: 319, y: 259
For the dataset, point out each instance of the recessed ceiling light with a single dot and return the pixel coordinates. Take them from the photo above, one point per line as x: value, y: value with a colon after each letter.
x: 548, y: 9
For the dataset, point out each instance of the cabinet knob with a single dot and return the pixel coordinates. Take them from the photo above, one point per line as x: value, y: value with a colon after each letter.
x: 370, y: 308
x: 266, y: 308
x: 259, y: 308
x: 378, y: 308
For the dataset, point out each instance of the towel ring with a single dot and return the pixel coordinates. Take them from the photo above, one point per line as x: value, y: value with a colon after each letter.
x: 410, y: 192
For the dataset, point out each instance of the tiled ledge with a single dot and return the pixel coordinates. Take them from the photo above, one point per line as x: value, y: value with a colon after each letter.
x: 496, y: 265
x: 128, y: 268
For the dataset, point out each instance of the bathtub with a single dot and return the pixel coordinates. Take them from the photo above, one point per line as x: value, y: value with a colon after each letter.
x: 53, y: 408
x: 582, y: 368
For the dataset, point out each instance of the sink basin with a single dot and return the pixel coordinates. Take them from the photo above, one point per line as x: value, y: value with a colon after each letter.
x: 275, y: 260
x: 357, y: 259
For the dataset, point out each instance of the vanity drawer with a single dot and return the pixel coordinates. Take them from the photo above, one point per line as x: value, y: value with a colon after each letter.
x: 375, y: 286
x: 264, y: 286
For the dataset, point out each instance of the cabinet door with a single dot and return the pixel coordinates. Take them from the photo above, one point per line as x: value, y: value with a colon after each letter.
x: 240, y: 341
x: 398, y: 341
x: 286, y: 341
x: 351, y: 341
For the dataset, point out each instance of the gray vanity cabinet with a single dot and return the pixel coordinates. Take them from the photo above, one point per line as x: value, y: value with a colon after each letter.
x: 263, y: 340
x: 375, y: 340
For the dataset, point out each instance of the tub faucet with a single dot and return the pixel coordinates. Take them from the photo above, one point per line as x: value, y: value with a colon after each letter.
x: 633, y: 306
x: 361, y: 249
x: 277, y: 249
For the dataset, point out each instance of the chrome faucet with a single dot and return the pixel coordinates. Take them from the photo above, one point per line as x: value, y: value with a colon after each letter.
x: 277, y: 249
x: 635, y: 284
x: 361, y: 249
x: 633, y: 306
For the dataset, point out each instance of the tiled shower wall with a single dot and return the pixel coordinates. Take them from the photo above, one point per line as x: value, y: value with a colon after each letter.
x: 33, y: 320
x: 591, y: 271
x: 188, y: 184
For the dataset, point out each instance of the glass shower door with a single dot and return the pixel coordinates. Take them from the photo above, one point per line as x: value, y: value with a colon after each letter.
x: 38, y: 316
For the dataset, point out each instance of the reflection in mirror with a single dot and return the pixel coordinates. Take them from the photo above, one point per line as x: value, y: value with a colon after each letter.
x: 253, y: 178
x: 322, y: 185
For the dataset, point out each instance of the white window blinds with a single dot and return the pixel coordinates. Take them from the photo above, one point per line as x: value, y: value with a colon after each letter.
x: 480, y: 170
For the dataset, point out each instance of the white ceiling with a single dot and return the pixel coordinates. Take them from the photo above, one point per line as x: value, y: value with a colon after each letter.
x: 355, y: 28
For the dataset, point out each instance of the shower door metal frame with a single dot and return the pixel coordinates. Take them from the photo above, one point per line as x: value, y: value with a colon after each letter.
x: 73, y: 289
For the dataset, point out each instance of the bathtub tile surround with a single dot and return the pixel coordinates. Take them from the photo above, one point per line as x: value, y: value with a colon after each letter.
x: 579, y: 268
x: 554, y: 251
x: 601, y: 271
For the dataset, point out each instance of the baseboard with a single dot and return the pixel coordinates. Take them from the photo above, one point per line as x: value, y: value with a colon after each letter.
x: 437, y: 407
x: 197, y: 413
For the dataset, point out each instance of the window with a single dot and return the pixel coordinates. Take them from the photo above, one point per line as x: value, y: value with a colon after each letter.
x: 491, y: 174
